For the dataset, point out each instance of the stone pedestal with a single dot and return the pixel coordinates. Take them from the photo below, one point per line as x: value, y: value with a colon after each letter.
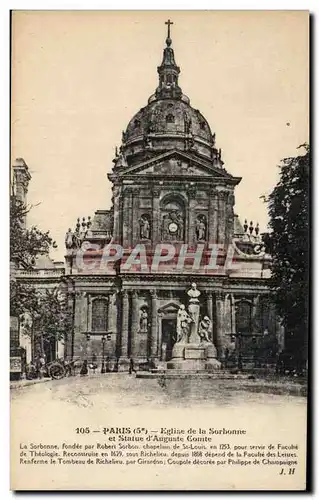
x: 194, y: 357
x: 194, y: 352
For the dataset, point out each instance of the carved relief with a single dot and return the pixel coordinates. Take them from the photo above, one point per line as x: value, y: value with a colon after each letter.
x: 172, y: 225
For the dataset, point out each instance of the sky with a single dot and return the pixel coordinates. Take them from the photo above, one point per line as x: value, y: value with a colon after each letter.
x: 78, y: 77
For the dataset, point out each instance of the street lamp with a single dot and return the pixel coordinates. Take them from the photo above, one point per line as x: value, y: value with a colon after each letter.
x: 103, y: 354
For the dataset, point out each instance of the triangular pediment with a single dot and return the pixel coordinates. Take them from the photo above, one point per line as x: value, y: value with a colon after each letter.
x: 174, y: 164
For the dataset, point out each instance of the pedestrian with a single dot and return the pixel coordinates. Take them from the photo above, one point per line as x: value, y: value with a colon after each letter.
x: 84, y: 369
x: 131, y: 369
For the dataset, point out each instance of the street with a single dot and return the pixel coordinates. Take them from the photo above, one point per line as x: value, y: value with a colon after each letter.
x: 125, y: 391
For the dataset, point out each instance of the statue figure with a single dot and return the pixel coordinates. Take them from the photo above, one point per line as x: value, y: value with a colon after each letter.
x: 69, y: 239
x: 205, y: 329
x: 183, y: 320
x: 144, y: 228
x: 193, y: 309
x: 187, y: 123
x: 144, y: 320
x: 193, y: 293
x: 201, y: 228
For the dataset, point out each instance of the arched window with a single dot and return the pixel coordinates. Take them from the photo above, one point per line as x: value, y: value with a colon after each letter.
x: 137, y: 123
x: 170, y: 118
x: 99, y: 315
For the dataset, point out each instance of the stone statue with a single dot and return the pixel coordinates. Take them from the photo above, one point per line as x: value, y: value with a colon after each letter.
x: 145, y: 228
x: 183, y: 320
x: 193, y: 293
x: 69, y: 239
x: 205, y: 329
x: 144, y: 320
x: 201, y: 228
x: 193, y: 309
x: 187, y: 123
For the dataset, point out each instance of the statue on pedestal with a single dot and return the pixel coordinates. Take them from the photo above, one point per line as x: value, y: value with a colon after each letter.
x: 205, y: 330
x: 144, y: 227
x: 144, y: 321
x: 193, y: 309
x: 194, y: 349
x: 182, y: 326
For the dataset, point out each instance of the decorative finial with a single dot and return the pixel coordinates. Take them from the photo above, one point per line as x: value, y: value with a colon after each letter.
x: 257, y: 229
x: 251, y: 227
x: 245, y: 226
x: 168, y: 39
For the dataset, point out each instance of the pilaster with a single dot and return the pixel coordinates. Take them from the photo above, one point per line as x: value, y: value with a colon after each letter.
x: 154, y: 344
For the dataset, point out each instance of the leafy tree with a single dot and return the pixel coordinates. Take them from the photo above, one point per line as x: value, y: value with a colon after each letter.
x: 288, y: 244
x: 26, y: 244
x: 23, y: 298
x: 53, y: 320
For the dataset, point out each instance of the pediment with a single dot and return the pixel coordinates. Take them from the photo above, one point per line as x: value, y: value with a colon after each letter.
x: 174, y: 164
x: 169, y: 308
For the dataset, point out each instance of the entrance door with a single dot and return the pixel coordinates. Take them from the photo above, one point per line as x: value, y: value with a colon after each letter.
x: 168, y: 338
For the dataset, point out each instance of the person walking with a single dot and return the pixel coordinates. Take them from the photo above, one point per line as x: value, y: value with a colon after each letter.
x: 131, y: 368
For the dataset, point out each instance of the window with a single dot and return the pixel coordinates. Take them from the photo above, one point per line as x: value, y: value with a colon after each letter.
x: 243, y: 317
x: 99, y: 315
x: 170, y: 118
x: 137, y: 123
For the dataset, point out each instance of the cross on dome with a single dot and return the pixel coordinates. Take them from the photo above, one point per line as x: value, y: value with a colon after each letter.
x: 168, y: 39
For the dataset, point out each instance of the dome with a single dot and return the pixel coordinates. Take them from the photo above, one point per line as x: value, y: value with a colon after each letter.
x: 167, y: 122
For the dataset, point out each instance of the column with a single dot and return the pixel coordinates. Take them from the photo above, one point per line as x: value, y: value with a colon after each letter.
x: 135, y: 326
x: 154, y: 346
x: 127, y: 217
x: 135, y: 217
x: 156, y: 216
x: 230, y: 218
x: 233, y: 314
x: 210, y: 306
x: 222, y: 195
x: 124, y: 335
x: 213, y: 216
x: 68, y: 350
x: 220, y: 302
x: 117, y: 212
x: 191, y: 236
x: 110, y: 314
x: 256, y: 323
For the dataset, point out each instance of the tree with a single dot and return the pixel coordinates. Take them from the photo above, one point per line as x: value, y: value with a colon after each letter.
x: 53, y: 319
x: 26, y: 244
x: 288, y: 244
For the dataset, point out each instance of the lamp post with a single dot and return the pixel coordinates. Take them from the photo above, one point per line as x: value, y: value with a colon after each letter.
x: 103, y: 354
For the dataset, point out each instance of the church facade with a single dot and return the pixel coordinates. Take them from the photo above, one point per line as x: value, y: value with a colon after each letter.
x: 171, y: 190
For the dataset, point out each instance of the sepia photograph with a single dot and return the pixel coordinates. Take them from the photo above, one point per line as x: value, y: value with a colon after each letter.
x: 159, y: 250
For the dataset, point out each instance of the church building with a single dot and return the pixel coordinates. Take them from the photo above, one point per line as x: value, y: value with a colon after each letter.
x: 171, y: 189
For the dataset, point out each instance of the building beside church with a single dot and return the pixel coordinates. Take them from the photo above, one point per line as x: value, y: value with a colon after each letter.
x: 170, y: 190
x: 170, y: 187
